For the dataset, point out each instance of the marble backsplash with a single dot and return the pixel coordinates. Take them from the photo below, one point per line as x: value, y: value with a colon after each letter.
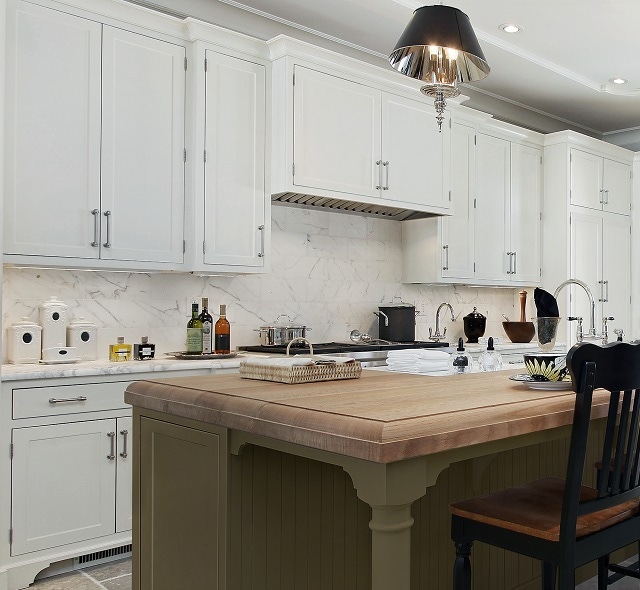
x: 330, y: 271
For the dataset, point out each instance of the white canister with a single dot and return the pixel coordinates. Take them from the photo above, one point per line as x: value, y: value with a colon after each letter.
x: 53, y: 319
x: 83, y: 336
x: 24, y: 342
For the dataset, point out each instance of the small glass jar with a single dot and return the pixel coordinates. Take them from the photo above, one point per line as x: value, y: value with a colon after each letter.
x: 490, y: 359
x: 460, y: 361
x: 120, y: 352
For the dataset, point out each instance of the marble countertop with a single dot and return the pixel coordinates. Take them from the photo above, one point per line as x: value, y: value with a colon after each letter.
x: 10, y: 372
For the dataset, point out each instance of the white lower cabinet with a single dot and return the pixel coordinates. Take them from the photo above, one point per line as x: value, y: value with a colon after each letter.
x: 64, y: 481
x: 66, y: 484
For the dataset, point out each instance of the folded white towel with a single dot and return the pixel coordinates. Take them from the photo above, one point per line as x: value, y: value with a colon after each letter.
x: 419, y: 353
x: 291, y: 361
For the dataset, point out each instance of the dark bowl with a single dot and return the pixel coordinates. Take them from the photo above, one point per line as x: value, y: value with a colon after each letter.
x: 519, y: 331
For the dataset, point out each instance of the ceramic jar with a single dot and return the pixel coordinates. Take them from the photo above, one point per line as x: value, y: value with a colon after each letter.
x: 24, y: 342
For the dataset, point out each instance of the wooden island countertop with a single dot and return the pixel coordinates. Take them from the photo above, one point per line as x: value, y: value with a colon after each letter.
x: 381, y: 417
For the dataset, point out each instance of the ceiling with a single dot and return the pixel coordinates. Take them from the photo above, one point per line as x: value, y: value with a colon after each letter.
x: 559, y: 65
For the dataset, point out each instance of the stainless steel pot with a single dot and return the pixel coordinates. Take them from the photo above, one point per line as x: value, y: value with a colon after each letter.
x: 280, y: 333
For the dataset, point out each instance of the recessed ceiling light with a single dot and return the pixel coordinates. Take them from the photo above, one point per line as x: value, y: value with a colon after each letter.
x: 511, y: 28
x: 618, y: 80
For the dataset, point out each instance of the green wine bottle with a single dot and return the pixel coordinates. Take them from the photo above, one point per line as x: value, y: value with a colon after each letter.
x: 194, y: 332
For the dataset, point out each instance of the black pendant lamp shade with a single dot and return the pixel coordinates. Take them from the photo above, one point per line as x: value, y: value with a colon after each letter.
x: 440, y: 48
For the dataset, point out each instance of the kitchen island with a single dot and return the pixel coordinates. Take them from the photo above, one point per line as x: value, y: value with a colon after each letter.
x: 393, y: 434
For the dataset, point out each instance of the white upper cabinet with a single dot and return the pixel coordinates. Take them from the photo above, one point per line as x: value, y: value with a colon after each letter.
x: 493, y: 235
x: 524, y: 218
x: 442, y: 250
x: 493, y: 175
x: 336, y: 134
x: 142, y: 197
x: 584, y: 236
x: 95, y: 163
x: 355, y: 133
x: 600, y: 257
x: 234, y: 208
x: 600, y: 183
x: 53, y: 134
x: 413, y: 153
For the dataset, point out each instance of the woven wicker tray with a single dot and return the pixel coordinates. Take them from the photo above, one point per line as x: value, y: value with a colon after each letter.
x: 301, y: 373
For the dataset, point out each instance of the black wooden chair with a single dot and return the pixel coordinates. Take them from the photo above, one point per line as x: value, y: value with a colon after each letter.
x: 563, y: 523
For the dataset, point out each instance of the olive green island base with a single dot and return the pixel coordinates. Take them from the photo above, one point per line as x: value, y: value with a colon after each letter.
x: 226, y: 508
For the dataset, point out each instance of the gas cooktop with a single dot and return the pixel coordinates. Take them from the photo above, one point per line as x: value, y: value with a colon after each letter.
x: 337, y: 347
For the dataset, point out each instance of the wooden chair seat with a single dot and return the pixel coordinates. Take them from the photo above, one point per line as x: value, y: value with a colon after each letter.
x: 535, y: 509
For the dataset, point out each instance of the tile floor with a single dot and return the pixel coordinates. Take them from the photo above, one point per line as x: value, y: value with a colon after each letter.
x: 115, y: 575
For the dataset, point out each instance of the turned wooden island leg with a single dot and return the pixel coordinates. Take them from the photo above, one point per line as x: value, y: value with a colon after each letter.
x: 390, y: 489
x: 391, y: 547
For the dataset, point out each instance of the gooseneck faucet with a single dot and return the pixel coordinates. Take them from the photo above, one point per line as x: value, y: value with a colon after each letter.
x: 437, y: 336
x: 592, y: 318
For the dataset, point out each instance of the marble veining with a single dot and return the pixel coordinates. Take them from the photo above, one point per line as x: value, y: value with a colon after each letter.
x: 330, y: 271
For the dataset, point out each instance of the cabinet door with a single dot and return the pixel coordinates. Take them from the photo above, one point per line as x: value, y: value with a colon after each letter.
x: 586, y: 179
x: 526, y: 196
x: 336, y: 135
x: 53, y: 134
x: 62, y: 485
x: 616, y: 182
x: 586, y: 265
x: 234, y: 208
x: 458, y: 229
x: 412, y: 153
x: 143, y: 148
x: 124, y: 435
x: 616, y: 272
x: 492, y: 211
x: 182, y: 496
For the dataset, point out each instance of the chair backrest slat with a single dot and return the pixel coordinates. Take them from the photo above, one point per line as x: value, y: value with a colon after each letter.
x: 632, y: 443
x: 621, y: 440
x: 607, y: 449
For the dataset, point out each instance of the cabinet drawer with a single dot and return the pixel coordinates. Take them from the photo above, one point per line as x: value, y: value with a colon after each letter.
x: 31, y: 402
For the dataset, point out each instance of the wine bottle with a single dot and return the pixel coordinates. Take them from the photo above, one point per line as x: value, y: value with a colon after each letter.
x: 207, y: 327
x: 194, y: 332
x: 222, y: 331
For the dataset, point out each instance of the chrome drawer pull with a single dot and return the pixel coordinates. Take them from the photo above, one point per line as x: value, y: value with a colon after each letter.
x: 80, y: 398
x: 125, y: 434
x: 446, y: 253
x: 112, y: 455
x: 261, y: 230
x: 96, y: 227
x: 107, y: 244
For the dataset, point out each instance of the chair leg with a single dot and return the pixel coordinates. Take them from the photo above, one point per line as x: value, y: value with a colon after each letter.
x: 566, y: 577
x: 462, y: 567
x: 548, y: 576
x: 603, y: 572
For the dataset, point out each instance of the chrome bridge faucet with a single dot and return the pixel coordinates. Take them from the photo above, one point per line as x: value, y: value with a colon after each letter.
x: 437, y: 336
x: 592, y: 318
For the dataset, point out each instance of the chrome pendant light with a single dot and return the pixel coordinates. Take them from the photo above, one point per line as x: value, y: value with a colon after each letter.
x: 440, y: 48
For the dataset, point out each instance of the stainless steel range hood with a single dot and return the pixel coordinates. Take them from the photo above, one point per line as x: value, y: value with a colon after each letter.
x: 367, y: 209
